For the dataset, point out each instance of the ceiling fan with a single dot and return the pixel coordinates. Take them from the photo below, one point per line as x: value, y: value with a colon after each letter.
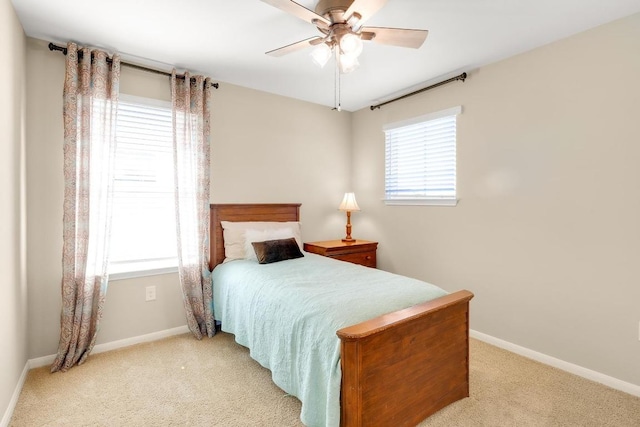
x: 341, y: 24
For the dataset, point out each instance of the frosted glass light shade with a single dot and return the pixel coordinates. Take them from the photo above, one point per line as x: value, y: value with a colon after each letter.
x: 348, y: 63
x: 321, y: 54
x: 349, y: 203
x: 351, y: 44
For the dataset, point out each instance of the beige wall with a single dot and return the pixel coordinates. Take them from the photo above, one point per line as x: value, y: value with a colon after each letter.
x: 547, y: 230
x: 265, y: 148
x: 13, y: 288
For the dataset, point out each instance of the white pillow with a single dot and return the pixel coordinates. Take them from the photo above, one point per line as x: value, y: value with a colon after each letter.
x: 233, y: 234
x: 251, y: 236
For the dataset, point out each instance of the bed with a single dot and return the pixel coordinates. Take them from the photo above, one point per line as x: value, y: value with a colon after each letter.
x: 396, y: 369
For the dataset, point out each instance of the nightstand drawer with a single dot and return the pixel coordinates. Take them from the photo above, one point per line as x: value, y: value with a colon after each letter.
x: 368, y: 259
x: 361, y: 252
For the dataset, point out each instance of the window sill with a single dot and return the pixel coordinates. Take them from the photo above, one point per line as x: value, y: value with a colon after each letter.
x: 420, y: 202
x: 140, y: 269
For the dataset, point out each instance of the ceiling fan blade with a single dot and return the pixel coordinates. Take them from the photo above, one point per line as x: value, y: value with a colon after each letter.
x: 402, y: 37
x: 365, y: 9
x: 298, y: 10
x: 295, y: 46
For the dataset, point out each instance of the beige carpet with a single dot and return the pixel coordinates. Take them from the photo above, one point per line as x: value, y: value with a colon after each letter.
x: 180, y: 381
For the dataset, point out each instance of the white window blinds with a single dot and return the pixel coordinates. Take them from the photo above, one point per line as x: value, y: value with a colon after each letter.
x: 143, y: 228
x: 420, y: 159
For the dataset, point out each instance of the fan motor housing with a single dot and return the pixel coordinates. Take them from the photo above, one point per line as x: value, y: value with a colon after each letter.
x: 333, y: 10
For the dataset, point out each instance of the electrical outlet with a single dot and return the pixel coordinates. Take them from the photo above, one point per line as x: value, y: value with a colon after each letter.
x: 150, y: 293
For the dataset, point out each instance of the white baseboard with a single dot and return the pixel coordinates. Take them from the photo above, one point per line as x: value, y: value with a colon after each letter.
x: 113, y: 345
x: 560, y: 364
x: 14, y: 398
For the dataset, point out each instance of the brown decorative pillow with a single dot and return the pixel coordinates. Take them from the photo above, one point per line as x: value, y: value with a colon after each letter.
x: 276, y: 250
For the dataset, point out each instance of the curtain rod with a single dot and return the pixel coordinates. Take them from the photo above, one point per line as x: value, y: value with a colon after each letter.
x: 63, y: 49
x: 462, y: 77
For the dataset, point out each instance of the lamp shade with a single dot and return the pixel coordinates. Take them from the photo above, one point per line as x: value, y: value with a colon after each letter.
x: 349, y: 203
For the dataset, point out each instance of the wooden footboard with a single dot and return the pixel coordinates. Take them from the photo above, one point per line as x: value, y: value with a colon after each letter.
x: 399, y: 368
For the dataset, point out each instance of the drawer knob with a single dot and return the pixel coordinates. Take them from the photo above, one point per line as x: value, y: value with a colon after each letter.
x: 368, y: 257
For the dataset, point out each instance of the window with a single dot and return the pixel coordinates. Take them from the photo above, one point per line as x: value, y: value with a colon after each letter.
x: 420, y: 160
x: 143, y: 231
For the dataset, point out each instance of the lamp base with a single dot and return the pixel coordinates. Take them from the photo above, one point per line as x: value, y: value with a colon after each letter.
x: 348, y: 238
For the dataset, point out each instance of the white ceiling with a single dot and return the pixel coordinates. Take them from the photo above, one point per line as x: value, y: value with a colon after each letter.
x: 226, y: 39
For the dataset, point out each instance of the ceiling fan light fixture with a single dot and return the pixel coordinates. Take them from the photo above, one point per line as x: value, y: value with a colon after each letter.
x: 321, y: 54
x: 341, y: 24
x: 351, y: 44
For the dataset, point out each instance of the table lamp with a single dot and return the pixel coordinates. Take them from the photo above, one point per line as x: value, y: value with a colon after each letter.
x: 349, y: 205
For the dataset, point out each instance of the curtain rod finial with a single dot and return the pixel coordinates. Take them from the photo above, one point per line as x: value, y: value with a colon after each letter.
x: 53, y: 47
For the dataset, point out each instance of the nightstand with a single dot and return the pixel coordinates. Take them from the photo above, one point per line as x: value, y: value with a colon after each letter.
x: 361, y: 252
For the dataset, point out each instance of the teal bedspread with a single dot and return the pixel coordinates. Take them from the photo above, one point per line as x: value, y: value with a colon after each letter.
x: 287, y: 313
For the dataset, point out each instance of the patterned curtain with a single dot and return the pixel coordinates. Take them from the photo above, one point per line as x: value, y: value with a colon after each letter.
x: 90, y: 102
x: 191, y: 126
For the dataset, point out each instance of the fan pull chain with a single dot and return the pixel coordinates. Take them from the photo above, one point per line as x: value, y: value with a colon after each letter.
x: 339, y: 91
x: 336, y: 92
x: 335, y: 87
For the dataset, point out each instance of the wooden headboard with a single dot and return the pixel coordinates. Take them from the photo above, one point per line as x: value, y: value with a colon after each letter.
x: 280, y: 212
